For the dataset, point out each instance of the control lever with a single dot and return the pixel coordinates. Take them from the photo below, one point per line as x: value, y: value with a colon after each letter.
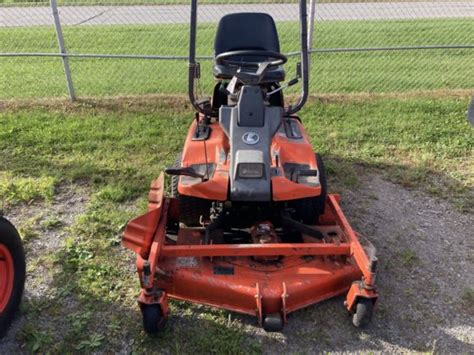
x: 284, y: 86
x: 186, y: 172
x: 247, y: 78
x: 291, y: 224
x: 205, y: 104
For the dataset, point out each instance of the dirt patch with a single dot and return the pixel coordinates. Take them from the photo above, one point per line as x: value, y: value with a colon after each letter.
x: 180, y: 103
x: 44, y: 226
x: 425, y: 248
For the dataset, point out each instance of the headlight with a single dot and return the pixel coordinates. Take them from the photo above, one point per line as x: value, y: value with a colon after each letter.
x: 250, y: 170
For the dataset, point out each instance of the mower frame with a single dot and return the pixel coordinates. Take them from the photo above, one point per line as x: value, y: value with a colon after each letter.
x: 270, y: 277
x: 181, y: 270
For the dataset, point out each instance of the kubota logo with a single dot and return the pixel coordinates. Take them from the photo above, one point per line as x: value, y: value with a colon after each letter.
x: 250, y: 138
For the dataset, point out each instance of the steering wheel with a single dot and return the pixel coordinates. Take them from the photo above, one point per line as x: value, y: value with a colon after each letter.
x: 277, y: 58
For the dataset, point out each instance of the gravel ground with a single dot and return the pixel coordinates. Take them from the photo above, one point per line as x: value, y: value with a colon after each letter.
x: 68, y: 203
x: 425, y: 248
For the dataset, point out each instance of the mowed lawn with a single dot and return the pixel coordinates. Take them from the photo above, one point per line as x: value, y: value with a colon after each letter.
x: 374, y: 72
x: 422, y: 141
x: 111, y: 149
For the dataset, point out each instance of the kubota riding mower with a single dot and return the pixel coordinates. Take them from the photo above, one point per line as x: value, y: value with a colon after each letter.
x: 12, y: 273
x: 249, y: 226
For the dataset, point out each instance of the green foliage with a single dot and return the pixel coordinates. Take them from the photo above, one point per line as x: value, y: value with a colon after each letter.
x: 116, y: 151
x: 468, y: 297
x: 51, y: 222
x: 92, y: 343
x: 27, y: 229
x: 420, y: 142
x: 37, y: 340
x: 27, y: 233
x: 14, y: 189
x: 409, y: 258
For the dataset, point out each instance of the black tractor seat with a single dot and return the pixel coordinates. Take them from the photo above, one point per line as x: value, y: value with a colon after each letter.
x: 243, y: 31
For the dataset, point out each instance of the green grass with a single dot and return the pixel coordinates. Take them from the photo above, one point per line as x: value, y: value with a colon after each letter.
x: 122, y: 144
x: 25, y: 189
x: 116, y: 147
x: 376, y: 72
x: 467, y: 298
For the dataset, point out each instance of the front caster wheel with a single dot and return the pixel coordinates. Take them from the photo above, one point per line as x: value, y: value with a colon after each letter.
x: 153, y: 319
x: 363, y: 312
x: 273, y: 323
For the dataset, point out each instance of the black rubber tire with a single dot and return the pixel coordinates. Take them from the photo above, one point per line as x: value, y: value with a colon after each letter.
x: 308, y: 210
x: 363, y: 312
x: 10, y: 238
x: 273, y: 323
x: 190, y: 208
x: 153, y: 319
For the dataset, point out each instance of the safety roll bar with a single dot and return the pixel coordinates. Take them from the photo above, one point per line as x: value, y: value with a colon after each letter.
x: 194, y: 68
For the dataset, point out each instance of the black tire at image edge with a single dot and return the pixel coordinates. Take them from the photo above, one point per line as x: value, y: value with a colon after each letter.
x: 10, y: 238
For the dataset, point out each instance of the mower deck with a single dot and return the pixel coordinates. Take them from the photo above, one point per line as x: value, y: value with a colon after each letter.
x: 266, y: 280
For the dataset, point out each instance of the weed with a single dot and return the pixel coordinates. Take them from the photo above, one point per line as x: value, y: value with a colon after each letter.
x: 79, y: 320
x: 28, y: 229
x: 92, y: 343
x: 36, y: 340
x: 51, y: 223
x: 409, y: 258
x: 14, y: 189
x: 27, y: 233
x: 468, y: 297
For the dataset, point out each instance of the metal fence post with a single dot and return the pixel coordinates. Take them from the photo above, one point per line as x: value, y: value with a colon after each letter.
x: 312, y: 13
x: 62, y: 49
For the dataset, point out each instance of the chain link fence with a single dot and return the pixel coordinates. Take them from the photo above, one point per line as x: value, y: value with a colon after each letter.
x: 126, y: 47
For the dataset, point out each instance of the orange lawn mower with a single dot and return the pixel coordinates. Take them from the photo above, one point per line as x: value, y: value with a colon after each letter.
x: 12, y: 273
x: 249, y: 225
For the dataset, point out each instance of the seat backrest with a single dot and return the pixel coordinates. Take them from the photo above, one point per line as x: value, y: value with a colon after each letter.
x: 246, y: 30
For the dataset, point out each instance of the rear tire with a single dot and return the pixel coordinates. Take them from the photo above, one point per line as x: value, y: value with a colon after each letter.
x: 190, y: 208
x: 12, y: 273
x: 308, y: 210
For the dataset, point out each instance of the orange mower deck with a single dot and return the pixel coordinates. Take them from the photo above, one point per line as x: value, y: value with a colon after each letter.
x: 233, y: 276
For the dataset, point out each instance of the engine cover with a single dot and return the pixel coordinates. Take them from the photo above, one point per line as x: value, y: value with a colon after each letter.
x: 250, y: 126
